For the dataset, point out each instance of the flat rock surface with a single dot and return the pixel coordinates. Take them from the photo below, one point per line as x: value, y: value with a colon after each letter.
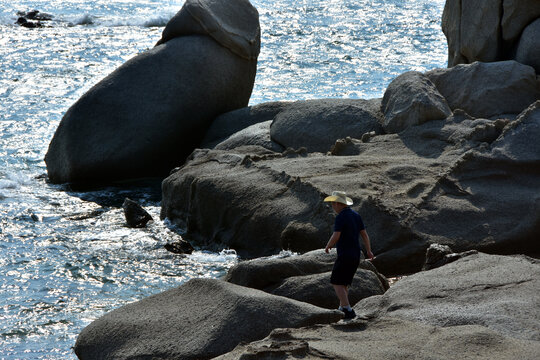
x: 493, y: 291
x: 384, y: 339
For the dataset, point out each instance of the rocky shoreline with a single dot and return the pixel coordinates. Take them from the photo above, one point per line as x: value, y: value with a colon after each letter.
x: 447, y: 159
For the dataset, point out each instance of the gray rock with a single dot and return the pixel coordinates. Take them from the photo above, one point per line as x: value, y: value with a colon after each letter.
x: 432, y: 183
x: 516, y: 15
x: 316, y: 289
x: 269, y: 273
x: 258, y: 134
x: 438, y: 255
x: 234, y: 24
x: 412, y: 99
x: 528, y: 50
x: 136, y: 216
x: 176, y: 325
x: 234, y: 121
x: 486, y: 30
x: 386, y: 338
x: 317, y: 124
x: 496, y: 292
x: 179, y: 247
x: 266, y: 273
x: 487, y: 89
x: 451, y: 27
x: 132, y: 124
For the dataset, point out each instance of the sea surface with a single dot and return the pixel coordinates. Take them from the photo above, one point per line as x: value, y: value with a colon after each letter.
x: 66, y: 256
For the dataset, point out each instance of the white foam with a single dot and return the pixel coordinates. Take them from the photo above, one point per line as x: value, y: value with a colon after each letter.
x: 86, y: 19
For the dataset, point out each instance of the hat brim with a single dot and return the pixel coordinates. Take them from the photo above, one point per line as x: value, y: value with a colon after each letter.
x: 333, y: 198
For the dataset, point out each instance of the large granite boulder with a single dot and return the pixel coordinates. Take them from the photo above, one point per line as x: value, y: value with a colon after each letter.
x: 412, y: 99
x: 497, y: 292
x: 199, y: 320
x: 487, y: 89
x: 528, y: 49
x: 317, y: 124
x: 306, y: 278
x: 490, y: 30
x: 431, y: 183
x: 150, y: 113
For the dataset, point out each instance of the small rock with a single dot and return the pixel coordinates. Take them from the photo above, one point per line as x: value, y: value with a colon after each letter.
x: 136, y: 216
x: 179, y: 247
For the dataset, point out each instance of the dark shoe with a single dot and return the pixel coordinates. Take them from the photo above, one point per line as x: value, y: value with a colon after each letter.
x: 349, y: 314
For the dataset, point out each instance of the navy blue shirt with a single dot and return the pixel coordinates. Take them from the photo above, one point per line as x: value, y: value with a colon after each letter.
x: 349, y: 223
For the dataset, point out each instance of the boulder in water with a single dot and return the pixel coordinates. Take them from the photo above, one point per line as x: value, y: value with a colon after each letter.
x: 149, y: 114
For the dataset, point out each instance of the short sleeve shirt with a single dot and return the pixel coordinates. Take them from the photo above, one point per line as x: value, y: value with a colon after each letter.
x: 349, y: 223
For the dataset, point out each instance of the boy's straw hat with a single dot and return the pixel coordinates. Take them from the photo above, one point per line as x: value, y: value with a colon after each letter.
x: 340, y: 197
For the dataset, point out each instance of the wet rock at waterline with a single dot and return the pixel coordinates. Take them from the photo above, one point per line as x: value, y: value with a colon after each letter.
x: 149, y: 114
x: 181, y: 324
x: 179, y: 247
x: 136, y: 216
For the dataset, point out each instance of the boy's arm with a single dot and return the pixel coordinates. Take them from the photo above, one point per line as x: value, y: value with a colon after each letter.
x: 367, y: 244
x: 333, y: 241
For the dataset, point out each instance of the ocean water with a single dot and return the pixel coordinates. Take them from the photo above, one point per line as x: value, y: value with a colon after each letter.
x: 66, y: 257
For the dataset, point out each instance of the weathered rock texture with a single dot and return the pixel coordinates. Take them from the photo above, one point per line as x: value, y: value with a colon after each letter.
x: 198, y: 320
x: 491, y: 30
x: 487, y: 89
x: 306, y: 278
x: 384, y: 339
x: 464, y: 182
x: 412, y: 99
x: 479, y: 307
x: 150, y: 113
x: 496, y: 292
x: 317, y: 124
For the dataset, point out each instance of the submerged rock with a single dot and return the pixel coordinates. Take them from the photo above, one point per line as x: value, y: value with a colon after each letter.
x: 149, y: 114
x: 199, y: 320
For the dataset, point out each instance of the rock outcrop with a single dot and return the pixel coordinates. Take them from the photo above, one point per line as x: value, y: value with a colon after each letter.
x: 492, y: 30
x: 479, y: 307
x: 150, y: 113
x: 199, y: 320
x: 431, y: 183
x: 306, y: 278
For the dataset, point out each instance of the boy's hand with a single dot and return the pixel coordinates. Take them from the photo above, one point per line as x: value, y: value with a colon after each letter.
x: 370, y: 256
x: 327, y: 249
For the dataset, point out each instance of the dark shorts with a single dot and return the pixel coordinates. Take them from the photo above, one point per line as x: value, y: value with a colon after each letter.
x: 344, y: 270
